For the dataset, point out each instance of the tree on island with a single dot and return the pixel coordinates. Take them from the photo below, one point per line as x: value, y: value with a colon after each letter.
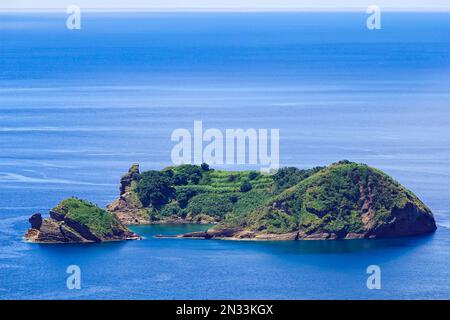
x: 155, y: 188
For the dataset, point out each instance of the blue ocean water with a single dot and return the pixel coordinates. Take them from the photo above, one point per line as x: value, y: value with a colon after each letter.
x: 78, y: 107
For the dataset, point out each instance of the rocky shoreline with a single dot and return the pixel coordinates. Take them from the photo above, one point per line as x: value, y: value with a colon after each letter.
x: 240, y: 234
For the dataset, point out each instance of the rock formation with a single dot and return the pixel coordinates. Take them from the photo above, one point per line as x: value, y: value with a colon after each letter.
x: 77, y: 221
x: 128, y: 207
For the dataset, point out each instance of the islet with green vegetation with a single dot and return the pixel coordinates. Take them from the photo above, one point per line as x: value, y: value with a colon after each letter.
x: 345, y: 200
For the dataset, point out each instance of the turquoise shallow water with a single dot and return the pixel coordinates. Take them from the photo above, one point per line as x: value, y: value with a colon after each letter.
x: 77, y: 108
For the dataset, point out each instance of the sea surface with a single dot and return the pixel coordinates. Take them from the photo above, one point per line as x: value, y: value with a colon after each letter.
x: 78, y: 107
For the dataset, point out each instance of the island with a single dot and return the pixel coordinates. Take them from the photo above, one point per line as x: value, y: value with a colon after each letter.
x: 345, y: 200
x: 77, y: 221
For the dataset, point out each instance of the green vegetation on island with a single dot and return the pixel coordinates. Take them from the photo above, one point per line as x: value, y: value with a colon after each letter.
x: 76, y: 220
x: 343, y: 200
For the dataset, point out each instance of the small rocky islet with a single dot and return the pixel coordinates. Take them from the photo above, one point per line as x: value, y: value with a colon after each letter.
x: 77, y: 221
x: 344, y: 200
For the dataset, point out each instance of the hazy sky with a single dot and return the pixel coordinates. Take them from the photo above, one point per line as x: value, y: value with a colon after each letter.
x: 226, y: 5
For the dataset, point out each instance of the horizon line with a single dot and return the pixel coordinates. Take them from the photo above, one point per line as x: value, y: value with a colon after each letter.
x: 223, y: 10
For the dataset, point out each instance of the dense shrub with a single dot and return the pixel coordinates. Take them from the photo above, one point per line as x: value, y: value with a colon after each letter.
x: 211, y: 204
x: 234, y: 198
x: 168, y: 172
x: 245, y: 186
x: 187, y: 173
x: 180, y: 179
x: 170, y: 210
x: 155, y: 188
x: 290, y: 176
x: 253, y: 175
x: 184, y: 195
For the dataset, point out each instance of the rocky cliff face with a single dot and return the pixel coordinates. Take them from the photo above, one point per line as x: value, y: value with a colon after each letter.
x: 127, y: 179
x: 128, y: 208
x: 77, y: 221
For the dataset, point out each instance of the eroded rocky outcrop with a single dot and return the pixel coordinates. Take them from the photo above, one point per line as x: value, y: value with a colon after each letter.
x: 128, y: 208
x: 77, y: 221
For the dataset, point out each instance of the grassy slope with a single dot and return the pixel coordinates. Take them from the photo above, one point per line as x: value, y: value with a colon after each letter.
x: 99, y: 221
x: 218, y: 195
x: 330, y: 201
